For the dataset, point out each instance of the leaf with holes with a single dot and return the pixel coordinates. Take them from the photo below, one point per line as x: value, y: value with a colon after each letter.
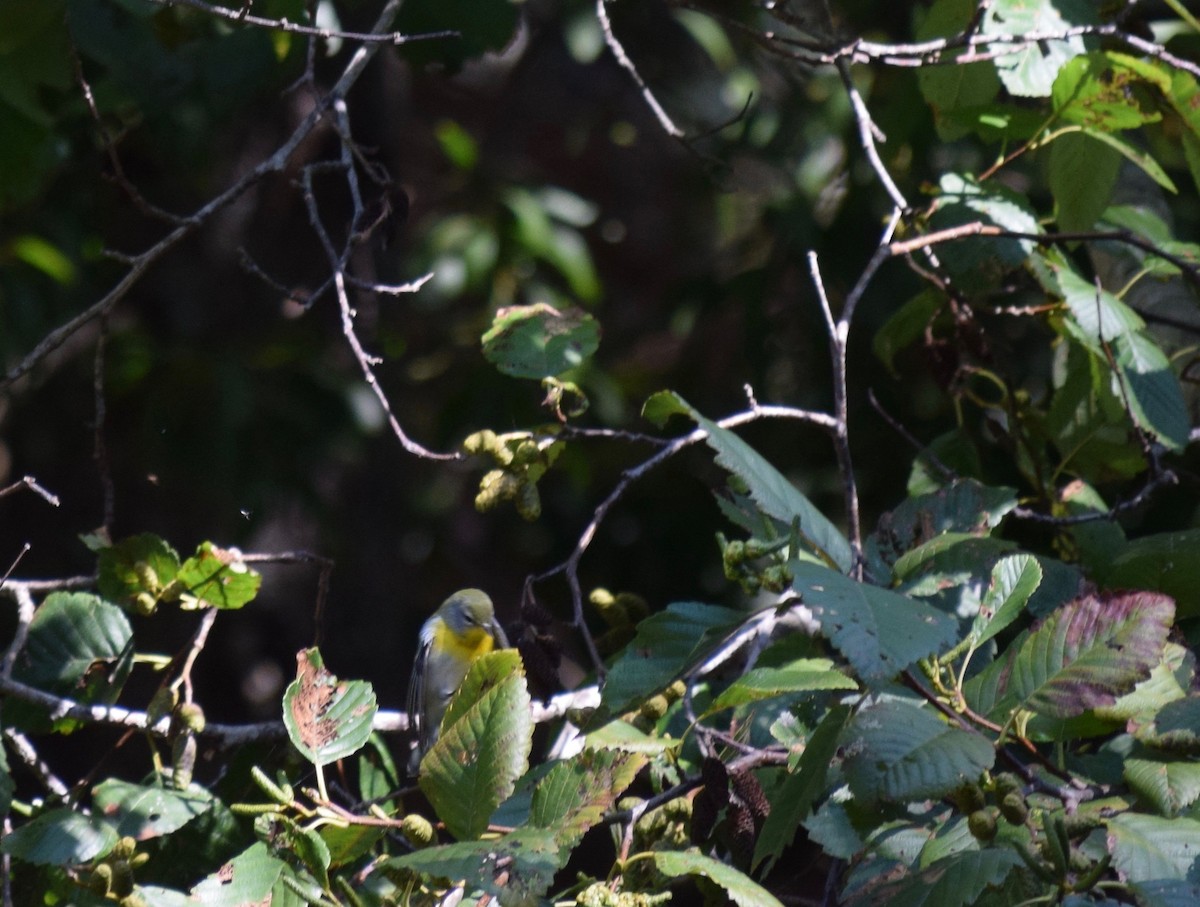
x: 878, y: 631
x: 146, y: 811
x: 327, y: 719
x: 217, y: 578
x: 539, y: 341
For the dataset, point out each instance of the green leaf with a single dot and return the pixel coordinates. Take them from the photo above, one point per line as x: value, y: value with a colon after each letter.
x: 1014, y: 580
x: 1030, y: 70
x: 484, y: 745
x: 878, y: 631
x: 955, y: 881
x: 898, y: 752
x: 1140, y: 159
x: 1154, y: 394
x: 327, y: 719
x: 45, y: 256
x: 621, y: 735
x: 79, y: 646
x: 286, y: 835
x: 907, y: 324
x: 1083, y: 172
x: 539, y: 341
x: 739, y: 888
x: 979, y: 262
x: 832, y: 829
x: 576, y: 793
x: 1176, y: 727
x: 802, y: 676
x: 1100, y: 315
x: 1150, y: 848
x: 247, y: 879
x: 1168, y: 786
x: 1103, y: 91
x: 140, y: 563
x: 516, y: 868
x: 662, y: 405
x: 793, y: 801
x: 60, y: 837
x: 1164, y: 562
x: 1167, y: 893
x: 774, y: 494
x: 144, y: 812
x: 1082, y: 656
x: 957, y: 86
x: 217, y: 578
x: 665, y: 645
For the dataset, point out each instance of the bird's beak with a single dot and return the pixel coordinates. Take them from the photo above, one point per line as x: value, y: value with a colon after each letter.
x: 498, y: 634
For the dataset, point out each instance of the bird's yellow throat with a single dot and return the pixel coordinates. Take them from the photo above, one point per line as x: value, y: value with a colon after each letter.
x: 465, y: 646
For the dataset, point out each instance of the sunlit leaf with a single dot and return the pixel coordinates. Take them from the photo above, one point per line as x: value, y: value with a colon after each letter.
x: 878, y: 631
x: 246, y: 879
x: 1168, y: 786
x: 739, y: 888
x: 959, y: 880
x: 147, y: 811
x: 1030, y: 70
x: 483, y: 747
x: 1083, y: 655
x: 897, y: 752
x: 218, y: 578
x: 804, y: 675
x: 327, y: 719
x: 1150, y: 848
x: 1014, y: 580
x: 539, y: 341
x: 60, y: 837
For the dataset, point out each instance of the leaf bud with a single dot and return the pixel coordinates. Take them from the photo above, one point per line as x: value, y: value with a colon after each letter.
x: 675, y: 691
x: 982, y: 825
x: 527, y: 452
x: 1006, y: 783
x: 100, y: 881
x: 1014, y: 808
x: 417, y: 830
x: 147, y: 576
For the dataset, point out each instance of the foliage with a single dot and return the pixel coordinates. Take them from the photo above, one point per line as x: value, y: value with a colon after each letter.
x: 975, y: 689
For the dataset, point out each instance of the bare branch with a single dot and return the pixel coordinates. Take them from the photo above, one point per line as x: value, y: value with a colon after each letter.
x: 627, y: 64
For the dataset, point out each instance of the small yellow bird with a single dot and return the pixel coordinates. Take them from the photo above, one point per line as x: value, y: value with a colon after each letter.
x: 460, y: 631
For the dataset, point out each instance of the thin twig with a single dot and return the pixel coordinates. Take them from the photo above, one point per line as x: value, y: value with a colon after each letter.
x: 627, y: 64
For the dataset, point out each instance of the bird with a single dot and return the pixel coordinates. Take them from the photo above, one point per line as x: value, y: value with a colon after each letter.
x: 462, y: 629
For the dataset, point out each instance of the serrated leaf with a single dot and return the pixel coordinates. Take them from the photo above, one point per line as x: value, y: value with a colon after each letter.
x: 218, y: 578
x: 955, y: 881
x: 802, y: 676
x: 246, y: 879
x: 1100, y: 315
x: 793, y: 801
x: 516, y: 868
x: 1030, y: 70
x: 1083, y: 655
x: 831, y: 828
x: 1014, y: 580
x: 740, y: 889
x: 666, y: 643
x: 878, y: 631
x: 1167, y: 893
x: 1150, y: 848
x: 979, y: 262
x: 964, y: 506
x: 144, y: 812
x: 621, y: 735
x: 897, y: 752
x: 774, y: 494
x: 1154, y: 393
x: 327, y: 719
x: 662, y: 405
x: 576, y: 793
x: 1083, y: 172
x: 1167, y: 786
x: 60, y: 837
x: 78, y: 646
x: 539, y: 341
x: 1176, y: 727
x: 961, y: 86
x: 484, y: 745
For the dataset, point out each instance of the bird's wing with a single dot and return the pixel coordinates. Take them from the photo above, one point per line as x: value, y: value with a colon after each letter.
x: 416, y: 692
